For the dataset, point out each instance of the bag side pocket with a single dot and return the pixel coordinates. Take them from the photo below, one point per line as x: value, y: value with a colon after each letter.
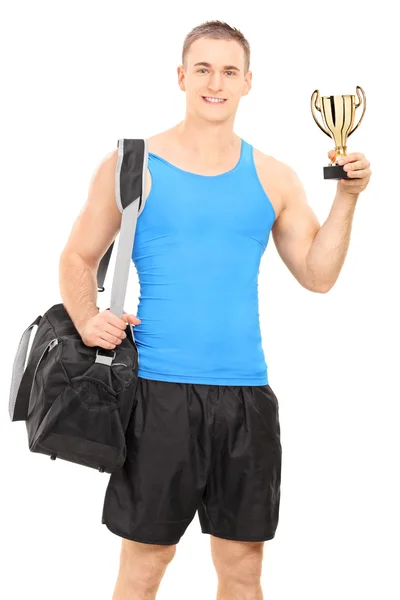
x: 83, y: 425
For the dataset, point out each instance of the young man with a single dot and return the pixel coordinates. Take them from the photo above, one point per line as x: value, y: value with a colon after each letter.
x: 205, y: 430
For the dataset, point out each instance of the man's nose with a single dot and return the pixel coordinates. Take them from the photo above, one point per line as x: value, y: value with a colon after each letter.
x: 214, y: 82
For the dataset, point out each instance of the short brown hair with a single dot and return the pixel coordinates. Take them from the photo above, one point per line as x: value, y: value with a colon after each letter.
x: 217, y: 30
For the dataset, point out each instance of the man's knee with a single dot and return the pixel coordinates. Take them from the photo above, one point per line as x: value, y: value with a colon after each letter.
x: 145, y: 563
x: 237, y: 561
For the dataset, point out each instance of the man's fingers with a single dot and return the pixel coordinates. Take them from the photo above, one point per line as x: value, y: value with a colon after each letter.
x: 358, y: 164
x: 103, y: 343
x: 114, y: 320
x: 351, y: 158
x: 133, y: 320
x: 123, y: 321
x: 110, y: 337
x: 115, y: 332
x: 110, y: 340
x: 358, y: 174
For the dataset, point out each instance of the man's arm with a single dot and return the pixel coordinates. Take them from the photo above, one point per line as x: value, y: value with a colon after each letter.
x: 313, y: 253
x: 92, y: 234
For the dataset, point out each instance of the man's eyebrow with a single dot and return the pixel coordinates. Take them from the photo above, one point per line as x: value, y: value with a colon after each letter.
x: 206, y: 64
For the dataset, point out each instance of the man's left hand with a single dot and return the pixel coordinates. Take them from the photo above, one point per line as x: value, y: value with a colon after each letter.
x: 358, y: 170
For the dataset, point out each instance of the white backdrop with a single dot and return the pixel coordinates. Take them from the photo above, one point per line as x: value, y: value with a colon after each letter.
x: 80, y: 75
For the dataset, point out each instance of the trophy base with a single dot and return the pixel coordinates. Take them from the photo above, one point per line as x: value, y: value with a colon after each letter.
x: 335, y: 172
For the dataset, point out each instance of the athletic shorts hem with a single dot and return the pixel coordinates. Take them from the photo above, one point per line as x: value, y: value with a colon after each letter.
x: 135, y: 539
x: 225, y: 537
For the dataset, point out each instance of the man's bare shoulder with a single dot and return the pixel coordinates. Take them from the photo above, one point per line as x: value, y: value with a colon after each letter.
x: 276, y: 178
x: 272, y: 165
x: 156, y: 144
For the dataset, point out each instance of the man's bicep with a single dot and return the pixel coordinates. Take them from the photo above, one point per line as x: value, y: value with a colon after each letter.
x: 99, y: 221
x: 296, y: 228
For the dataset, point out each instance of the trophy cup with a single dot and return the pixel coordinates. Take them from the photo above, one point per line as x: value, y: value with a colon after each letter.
x: 337, y: 114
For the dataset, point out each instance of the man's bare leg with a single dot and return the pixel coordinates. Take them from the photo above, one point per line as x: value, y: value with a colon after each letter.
x: 238, y: 566
x: 141, y: 569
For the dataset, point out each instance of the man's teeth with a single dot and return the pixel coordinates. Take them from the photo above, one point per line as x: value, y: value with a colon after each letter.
x: 214, y: 99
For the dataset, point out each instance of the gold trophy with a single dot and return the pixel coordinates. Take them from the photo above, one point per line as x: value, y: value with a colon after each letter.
x: 337, y: 114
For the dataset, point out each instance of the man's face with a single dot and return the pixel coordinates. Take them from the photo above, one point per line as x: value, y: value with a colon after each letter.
x: 219, y: 80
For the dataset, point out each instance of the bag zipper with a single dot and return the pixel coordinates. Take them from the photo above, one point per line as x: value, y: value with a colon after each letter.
x: 52, y: 344
x: 49, y: 347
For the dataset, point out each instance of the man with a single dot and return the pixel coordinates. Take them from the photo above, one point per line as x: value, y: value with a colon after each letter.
x: 204, y: 433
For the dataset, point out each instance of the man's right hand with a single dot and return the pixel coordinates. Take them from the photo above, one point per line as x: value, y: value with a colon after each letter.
x: 106, y: 330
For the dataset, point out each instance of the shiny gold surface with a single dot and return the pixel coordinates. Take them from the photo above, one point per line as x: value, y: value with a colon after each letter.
x: 338, y: 113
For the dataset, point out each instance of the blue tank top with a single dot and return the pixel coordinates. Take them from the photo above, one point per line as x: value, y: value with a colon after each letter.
x: 197, y: 252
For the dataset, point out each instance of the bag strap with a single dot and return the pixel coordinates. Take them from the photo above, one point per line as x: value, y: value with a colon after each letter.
x: 130, y: 182
x: 21, y: 378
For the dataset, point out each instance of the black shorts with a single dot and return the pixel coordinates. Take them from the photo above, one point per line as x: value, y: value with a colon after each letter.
x: 214, y: 449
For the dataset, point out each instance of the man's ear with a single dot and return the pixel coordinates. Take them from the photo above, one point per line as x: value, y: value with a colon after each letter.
x: 181, y: 78
x: 248, y: 78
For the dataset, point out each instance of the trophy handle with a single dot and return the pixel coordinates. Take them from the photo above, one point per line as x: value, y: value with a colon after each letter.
x: 360, y: 99
x: 315, y: 106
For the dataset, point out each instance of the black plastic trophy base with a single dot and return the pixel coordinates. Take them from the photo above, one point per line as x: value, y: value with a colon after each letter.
x: 335, y: 172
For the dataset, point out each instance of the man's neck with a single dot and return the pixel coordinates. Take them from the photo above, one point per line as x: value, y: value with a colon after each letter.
x: 208, y: 142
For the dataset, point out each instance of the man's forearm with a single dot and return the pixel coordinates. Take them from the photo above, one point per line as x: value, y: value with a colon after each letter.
x: 78, y: 288
x: 328, y: 251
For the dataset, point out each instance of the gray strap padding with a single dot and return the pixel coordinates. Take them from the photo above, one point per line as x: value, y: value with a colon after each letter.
x: 126, y: 238
x: 103, y: 266
x: 124, y: 258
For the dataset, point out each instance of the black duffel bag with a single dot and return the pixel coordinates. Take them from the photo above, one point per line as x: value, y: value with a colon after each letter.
x: 77, y: 400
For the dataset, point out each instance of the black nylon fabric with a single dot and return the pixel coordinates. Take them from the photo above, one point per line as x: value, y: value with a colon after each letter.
x: 77, y: 409
x: 214, y: 449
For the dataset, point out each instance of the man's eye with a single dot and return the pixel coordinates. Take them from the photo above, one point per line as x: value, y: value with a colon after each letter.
x: 206, y: 70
